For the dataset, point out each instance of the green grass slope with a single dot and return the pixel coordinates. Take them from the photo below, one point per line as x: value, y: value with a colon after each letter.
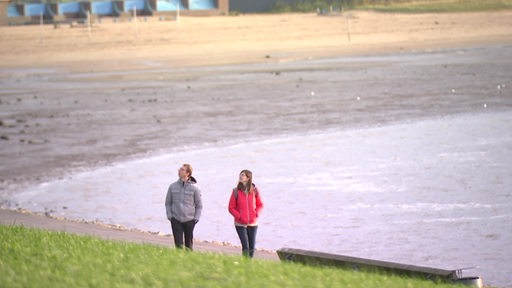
x: 39, y: 258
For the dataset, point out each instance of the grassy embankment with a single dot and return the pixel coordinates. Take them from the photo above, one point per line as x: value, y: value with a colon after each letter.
x: 397, y: 6
x: 37, y: 258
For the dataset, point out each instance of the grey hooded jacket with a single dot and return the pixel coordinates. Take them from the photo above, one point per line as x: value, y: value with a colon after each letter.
x: 183, y: 201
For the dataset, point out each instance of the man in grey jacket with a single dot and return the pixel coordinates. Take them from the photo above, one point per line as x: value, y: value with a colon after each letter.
x: 183, y: 205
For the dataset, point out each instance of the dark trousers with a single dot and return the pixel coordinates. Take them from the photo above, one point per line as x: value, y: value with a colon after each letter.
x: 247, y: 237
x: 180, y: 229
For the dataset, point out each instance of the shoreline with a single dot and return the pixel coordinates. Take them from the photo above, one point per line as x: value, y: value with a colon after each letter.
x: 59, y: 134
x: 34, y: 120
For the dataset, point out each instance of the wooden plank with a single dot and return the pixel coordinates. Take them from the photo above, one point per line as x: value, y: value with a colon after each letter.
x: 362, y: 264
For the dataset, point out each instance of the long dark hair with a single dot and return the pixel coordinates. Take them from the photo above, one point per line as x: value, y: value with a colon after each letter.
x: 249, y: 187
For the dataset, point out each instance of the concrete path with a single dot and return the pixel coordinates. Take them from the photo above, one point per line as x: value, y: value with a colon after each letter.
x: 10, y: 217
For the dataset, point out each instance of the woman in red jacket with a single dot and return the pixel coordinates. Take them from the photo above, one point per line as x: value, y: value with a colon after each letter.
x: 245, y: 205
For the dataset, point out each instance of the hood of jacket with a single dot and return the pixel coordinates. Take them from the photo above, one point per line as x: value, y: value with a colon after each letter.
x: 191, y: 180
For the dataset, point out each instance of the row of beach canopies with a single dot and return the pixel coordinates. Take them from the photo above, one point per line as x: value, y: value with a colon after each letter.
x: 104, y: 8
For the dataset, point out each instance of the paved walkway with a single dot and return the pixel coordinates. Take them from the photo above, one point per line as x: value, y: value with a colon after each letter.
x: 9, y: 217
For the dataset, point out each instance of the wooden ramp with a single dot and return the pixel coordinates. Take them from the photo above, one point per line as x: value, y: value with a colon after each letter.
x: 361, y: 264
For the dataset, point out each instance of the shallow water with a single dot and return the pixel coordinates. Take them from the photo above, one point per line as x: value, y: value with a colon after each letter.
x: 431, y: 193
x: 391, y: 168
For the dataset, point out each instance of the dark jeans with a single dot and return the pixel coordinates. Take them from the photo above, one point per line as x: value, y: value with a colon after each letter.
x: 247, y: 237
x: 183, y: 228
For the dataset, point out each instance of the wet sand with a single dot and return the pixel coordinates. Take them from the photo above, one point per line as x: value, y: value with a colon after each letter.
x: 71, y: 100
x: 64, y: 92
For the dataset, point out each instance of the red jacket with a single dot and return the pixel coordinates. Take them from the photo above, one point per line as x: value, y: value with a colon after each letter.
x: 245, y: 208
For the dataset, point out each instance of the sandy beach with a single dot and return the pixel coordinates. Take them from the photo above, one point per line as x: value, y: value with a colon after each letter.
x: 47, y: 132
x: 201, y: 41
